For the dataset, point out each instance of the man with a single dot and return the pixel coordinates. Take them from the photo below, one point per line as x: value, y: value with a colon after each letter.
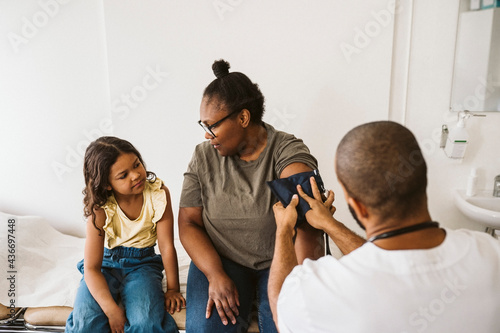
x: 410, y: 276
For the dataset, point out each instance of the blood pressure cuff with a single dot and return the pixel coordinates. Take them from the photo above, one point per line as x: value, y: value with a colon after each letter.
x: 285, y: 188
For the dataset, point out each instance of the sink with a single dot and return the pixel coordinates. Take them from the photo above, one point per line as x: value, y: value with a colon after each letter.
x: 483, y: 207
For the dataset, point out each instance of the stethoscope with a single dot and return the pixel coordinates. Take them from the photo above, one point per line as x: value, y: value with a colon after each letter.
x: 405, y: 230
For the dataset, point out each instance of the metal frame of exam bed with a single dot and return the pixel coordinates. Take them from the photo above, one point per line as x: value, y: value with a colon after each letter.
x: 16, y: 323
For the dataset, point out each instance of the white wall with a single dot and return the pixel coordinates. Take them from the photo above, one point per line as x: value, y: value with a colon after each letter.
x: 75, y: 70
x: 53, y: 89
x: 429, y: 89
x: 323, y: 66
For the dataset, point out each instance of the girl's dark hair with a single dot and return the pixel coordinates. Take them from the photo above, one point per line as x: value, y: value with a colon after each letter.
x: 235, y: 91
x: 99, y: 157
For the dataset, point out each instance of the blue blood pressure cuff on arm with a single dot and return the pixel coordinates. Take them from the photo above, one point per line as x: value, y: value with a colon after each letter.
x: 285, y: 188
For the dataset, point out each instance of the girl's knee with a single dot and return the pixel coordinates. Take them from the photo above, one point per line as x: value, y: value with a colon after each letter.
x: 148, y: 323
x: 144, y: 324
x: 87, y: 320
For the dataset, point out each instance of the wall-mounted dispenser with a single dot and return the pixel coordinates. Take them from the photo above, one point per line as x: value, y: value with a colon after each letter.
x: 444, y: 136
x: 472, y: 183
x: 457, y: 138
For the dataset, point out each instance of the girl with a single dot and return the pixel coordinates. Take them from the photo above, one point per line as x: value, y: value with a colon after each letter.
x: 128, y: 209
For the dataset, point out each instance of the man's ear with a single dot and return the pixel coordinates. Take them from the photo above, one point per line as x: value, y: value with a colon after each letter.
x: 358, y: 207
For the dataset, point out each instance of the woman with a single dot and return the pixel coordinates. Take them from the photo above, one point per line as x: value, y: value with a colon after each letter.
x: 226, y: 222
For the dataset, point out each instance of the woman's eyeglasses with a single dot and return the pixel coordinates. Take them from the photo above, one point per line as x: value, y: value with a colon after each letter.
x: 208, y: 129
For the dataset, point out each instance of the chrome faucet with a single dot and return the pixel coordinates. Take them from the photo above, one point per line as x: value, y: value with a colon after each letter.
x: 496, y: 187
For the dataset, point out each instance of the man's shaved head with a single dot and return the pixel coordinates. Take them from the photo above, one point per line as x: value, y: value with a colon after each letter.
x: 381, y: 165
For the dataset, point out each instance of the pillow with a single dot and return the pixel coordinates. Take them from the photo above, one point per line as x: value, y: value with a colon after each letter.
x: 44, y: 267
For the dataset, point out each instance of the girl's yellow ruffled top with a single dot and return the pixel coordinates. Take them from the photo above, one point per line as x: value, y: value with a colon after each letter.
x: 138, y: 233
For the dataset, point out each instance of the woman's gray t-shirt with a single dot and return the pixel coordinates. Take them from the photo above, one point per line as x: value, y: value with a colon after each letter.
x: 237, y: 203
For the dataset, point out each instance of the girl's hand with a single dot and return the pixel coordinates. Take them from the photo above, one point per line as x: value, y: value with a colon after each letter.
x: 117, y: 320
x: 174, y: 301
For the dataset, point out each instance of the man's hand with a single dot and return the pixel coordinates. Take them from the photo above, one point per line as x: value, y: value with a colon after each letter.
x: 223, y: 293
x: 284, y: 259
x: 320, y: 214
x: 286, y: 217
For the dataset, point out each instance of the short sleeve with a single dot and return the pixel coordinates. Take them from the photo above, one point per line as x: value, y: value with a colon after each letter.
x: 191, y: 188
x: 110, y: 210
x: 159, y: 200
x: 293, y: 150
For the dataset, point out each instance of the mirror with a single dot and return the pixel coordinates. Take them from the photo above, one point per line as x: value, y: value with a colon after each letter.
x: 476, y: 70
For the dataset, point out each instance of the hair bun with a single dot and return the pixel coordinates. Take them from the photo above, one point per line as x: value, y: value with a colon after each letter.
x: 221, y: 68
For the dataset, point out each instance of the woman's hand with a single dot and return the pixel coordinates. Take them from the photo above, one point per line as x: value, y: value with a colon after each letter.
x: 117, y: 320
x: 222, y: 292
x: 174, y: 301
x: 320, y: 214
